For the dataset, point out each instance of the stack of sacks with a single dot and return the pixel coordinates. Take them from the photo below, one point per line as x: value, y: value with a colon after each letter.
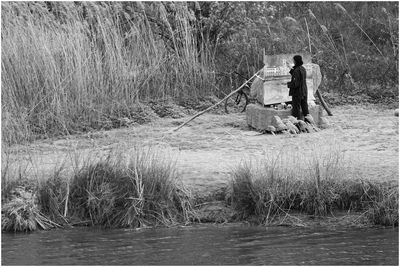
x: 294, y: 126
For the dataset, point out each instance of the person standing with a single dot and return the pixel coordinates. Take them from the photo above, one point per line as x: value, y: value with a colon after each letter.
x: 298, y: 88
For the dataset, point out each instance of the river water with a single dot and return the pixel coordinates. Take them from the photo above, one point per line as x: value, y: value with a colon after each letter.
x: 203, y: 245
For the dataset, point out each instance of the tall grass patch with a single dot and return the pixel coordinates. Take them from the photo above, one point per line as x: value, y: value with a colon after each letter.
x: 384, y: 208
x: 21, y: 213
x: 72, y: 66
x: 134, y: 190
x: 20, y: 205
x: 279, y: 185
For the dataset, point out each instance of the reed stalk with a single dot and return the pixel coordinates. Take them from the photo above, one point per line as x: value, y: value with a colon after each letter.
x: 272, y: 188
x: 64, y: 72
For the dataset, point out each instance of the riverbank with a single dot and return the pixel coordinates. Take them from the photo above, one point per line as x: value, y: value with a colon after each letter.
x: 142, y: 190
x: 207, y: 152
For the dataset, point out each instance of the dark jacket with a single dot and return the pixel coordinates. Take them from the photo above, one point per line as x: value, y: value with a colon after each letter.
x: 297, y: 85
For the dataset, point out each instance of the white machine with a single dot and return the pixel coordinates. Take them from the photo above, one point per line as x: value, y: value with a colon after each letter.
x: 272, y: 88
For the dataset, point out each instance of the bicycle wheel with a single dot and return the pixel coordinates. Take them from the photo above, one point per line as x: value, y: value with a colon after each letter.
x: 236, y: 103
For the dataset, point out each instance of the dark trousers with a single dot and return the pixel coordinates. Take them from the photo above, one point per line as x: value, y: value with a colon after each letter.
x: 297, y: 102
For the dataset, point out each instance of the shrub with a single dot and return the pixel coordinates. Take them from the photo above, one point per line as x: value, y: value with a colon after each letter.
x: 136, y: 191
x: 21, y: 213
x: 52, y: 196
x: 278, y: 185
x: 384, y: 210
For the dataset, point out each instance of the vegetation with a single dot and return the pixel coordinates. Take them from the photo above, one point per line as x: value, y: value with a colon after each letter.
x: 142, y: 191
x: 277, y: 187
x: 141, y: 188
x: 120, y: 190
x: 356, y: 44
x: 69, y: 67
x: 21, y: 213
x: 384, y: 206
x: 75, y: 66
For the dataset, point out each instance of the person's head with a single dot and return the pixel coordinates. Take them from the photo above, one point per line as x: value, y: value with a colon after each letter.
x: 297, y: 60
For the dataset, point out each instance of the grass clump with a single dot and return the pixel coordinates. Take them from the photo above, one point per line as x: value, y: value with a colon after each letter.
x: 384, y: 209
x: 264, y: 191
x: 135, y: 190
x: 272, y: 189
x: 52, y: 196
x: 21, y: 209
x: 21, y: 213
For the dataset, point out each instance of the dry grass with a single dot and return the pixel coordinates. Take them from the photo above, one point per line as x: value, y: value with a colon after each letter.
x: 141, y: 188
x: 384, y: 208
x: 63, y: 71
x: 52, y: 196
x: 121, y: 189
x: 27, y: 198
x: 132, y: 190
x: 21, y: 213
x: 274, y: 187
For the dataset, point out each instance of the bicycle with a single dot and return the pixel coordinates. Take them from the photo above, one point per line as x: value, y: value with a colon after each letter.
x: 238, y: 103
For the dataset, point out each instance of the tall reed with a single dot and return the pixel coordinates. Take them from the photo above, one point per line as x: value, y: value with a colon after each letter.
x: 271, y: 189
x: 135, y: 188
x: 72, y: 67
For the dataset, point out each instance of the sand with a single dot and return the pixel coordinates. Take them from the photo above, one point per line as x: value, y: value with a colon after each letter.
x: 208, y: 149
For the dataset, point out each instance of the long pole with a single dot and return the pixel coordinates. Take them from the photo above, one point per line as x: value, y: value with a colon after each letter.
x: 213, y: 106
x: 318, y: 92
x: 308, y: 34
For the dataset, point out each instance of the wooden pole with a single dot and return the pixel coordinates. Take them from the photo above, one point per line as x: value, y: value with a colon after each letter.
x: 213, y: 106
x: 308, y: 34
x: 324, y: 103
x: 66, y: 201
x: 318, y: 92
